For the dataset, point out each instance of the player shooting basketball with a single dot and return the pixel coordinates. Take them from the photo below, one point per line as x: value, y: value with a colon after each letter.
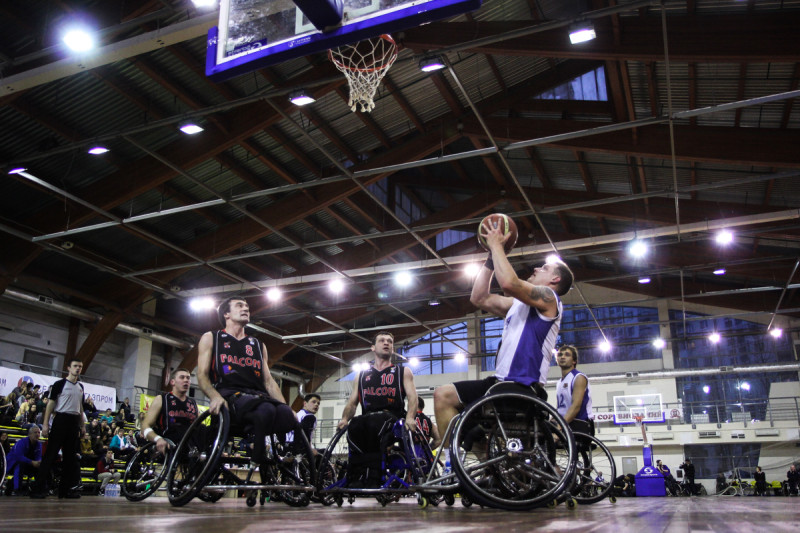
x: 532, y: 311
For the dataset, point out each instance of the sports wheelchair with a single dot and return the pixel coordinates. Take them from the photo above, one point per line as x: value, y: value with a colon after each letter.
x: 405, y: 460
x: 198, y: 468
x: 594, y: 458
x: 146, y: 471
x: 509, y: 450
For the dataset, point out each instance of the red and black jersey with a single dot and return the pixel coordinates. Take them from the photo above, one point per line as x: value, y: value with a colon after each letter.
x: 382, y: 390
x: 424, y: 424
x: 238, y: 364
x: 176, y: 416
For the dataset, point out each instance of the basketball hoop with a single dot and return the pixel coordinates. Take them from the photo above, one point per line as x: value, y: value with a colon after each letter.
x: 364, y: 64
x: 638, y: 419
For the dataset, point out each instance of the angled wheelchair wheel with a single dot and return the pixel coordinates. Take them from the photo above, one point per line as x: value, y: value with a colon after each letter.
x: 145, y: 472
x: 3, y: 467
x: 332, y: 469
x: 594, y: 458
x: 295, y: 465
x: 196, y: 459
x: 513, y: 451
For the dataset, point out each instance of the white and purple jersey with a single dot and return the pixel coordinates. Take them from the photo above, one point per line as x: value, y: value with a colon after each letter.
x: 527, y: 346
x: 564, y: 396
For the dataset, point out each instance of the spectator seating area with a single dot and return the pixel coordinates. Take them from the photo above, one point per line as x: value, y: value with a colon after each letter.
x: 100, y: 438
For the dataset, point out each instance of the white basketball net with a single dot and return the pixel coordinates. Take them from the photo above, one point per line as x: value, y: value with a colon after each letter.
x: 364, y: 64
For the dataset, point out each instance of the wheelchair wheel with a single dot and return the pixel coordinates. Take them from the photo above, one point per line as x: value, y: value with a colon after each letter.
x: 295, y: 466
x: 332, y: 469
x: 196, y: 459
x: 145, y: 472
x: 593, y: 458
x: 506, y: 456
x: 2, y: 467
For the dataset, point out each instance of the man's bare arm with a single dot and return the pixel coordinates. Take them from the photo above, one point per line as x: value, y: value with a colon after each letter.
x: 203, y: 368
x: 351, y: 405
x: 269, y: 382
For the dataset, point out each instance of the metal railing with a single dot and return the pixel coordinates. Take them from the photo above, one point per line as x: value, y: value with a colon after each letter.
x: 745, y: 412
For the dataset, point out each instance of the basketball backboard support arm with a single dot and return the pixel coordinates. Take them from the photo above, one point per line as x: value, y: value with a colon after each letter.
x: 253, y: 34
x: 322, y: 13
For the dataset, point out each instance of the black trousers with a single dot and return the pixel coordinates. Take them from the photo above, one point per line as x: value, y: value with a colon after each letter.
x: 63, y: 436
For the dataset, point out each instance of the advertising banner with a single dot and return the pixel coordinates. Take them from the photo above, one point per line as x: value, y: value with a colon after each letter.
x: 104, y: 397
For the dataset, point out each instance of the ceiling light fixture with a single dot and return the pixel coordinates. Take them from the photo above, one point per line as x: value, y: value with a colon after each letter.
x: 638, y: 248
x: 274, y: 294
x: 78, y: 40
x: 413, y: 361
x: 719, y: 272
x: 605, y: 346
x: 644, y: 280
x: 433, y: 302
x: 659, y: 343
x: 581, y: 32
x: 202, y: 304
x: 706, y: 389
x: 724, y: 237
x: 403, y: 279
x: 97, y: 150
x: 190, y: 128
x: 552, y: 258
x: 17, y: 170
x: 431, y: 64
x: 460, y: 357
x: 204, y: 3
x: 776, y: 332
x: 336, y: 286
x: 714, y: 337
x: 472, y: 269
x: 301, y: 98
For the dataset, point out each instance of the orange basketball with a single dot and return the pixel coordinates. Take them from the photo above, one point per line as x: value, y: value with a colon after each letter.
x: 505, y: 223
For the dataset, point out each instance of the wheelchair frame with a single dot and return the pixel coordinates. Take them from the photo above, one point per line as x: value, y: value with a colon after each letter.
x: 401, y: 470
x: 146, y: 471
x: 197, y: 467
x: 522, y: 466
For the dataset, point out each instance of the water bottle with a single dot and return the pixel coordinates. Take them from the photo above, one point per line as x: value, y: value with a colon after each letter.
x: 447, y: 467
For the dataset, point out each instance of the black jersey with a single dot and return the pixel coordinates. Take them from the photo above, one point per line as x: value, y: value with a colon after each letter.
x: 238, y: 364
x: 176, y: 416
x: 382, y: 390
x: 424, y: 424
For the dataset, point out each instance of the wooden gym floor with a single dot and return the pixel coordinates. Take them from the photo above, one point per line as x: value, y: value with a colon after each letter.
x: 728, y: 514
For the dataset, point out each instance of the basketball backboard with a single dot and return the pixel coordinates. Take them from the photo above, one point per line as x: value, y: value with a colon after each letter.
x: 257, y: 33
x: 647, y: 405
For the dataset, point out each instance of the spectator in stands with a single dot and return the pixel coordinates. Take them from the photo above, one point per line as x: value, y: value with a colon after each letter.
x: 24, y: 459
x: 106, y: 433
x: 107, y: 417
x: 792, y: 479
x: 94, y: 428
x: 624, y: 485
x: 119, y: 418
x: 5, y: 443
x: 125, y: 409
x: 761, y: 482
x: 8, y: 407
x: 22, y: 412
x: 32, y: 418
x: 89, y: 408
x: 122, y: 445
x: 106, y: 471
x: 140, y: 419
x: 88, y: 457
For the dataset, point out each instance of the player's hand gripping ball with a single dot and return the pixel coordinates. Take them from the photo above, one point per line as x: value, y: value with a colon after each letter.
x: 506, y: 225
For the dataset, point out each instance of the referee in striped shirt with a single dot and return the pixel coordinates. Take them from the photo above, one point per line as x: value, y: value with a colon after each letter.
x: 69, y: 423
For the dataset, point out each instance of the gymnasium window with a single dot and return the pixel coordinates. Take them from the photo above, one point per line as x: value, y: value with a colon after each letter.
x: 590, y: 86
x: 741, y: 343
x: 450, y: 237
x: 710, y: 460
x: 438, y: 351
